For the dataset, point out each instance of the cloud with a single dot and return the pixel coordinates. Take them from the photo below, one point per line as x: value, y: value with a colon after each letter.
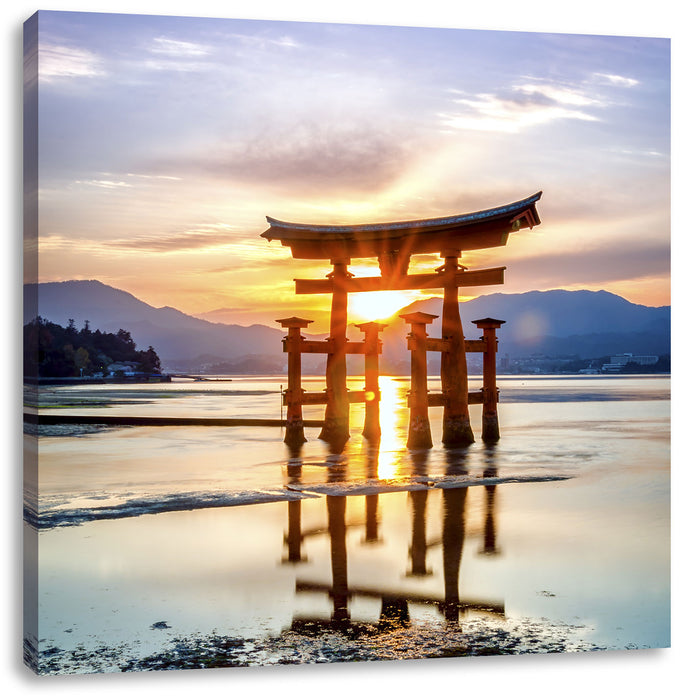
x: 307, y: 158
x: 153, y: 177
x: 170, y: 54
x: 177, y: 56
x: 616, y: 80
x: 57, y: 62
x: 115, y: 181
x: 522, y: 106
x: 640, y: 154
x: 244, y: 247
x: 177, y: 66
x: 606, y: 263
x: 555, y: 94
x: 260, y: 41
x: 173, y: 47
x: 53, y: 242
x: 105, y: 184
x: 260, y: 258
x: 199, y: 238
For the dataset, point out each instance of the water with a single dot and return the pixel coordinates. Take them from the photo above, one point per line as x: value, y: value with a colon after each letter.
x: 216, y: 546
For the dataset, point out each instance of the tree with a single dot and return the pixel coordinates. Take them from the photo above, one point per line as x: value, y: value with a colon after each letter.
x: 149, y: 361
x: 81, y: 360
x: 125, y: 337
x: 49, y: 350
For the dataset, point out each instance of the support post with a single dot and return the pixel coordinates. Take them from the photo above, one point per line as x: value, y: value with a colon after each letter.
x: 490, y: 430
x: 335, y: 506
x: 293, y: 538
x: 372, y: 350
x: 419, y: 431
x: 490, y: 547
x: 453, y: 545
x: 418, y: 547
x: 336, y: 428
x: 295, y: 434
x: 457, y: 430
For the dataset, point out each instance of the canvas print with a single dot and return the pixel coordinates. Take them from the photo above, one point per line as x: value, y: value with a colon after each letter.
x: 342, y: 343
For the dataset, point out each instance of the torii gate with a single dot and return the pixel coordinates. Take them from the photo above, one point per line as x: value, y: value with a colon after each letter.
x: 393, y: 244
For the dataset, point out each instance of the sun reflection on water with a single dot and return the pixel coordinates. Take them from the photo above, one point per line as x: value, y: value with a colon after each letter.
x: 392, y: 417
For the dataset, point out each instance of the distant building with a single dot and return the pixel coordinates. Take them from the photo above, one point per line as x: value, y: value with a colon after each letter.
x: 127, y: 369
x: 627, y: 357
x: 618, y: 362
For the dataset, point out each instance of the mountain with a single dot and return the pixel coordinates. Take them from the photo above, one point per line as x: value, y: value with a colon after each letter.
x: 177, y: 337
x: 561, y: 313
x: 556, y: 323
x: 216, y: 315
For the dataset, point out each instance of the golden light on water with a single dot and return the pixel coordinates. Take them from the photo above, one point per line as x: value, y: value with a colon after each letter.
x: 392, y: 417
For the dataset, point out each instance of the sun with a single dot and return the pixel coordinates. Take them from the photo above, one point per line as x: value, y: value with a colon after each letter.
x: 378, y: 306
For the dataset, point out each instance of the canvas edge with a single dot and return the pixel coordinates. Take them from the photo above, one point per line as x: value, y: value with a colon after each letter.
x: 30, y: 267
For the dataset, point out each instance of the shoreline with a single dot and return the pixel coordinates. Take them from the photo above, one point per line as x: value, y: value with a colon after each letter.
x: 342, y: 643
x: 168, y: 378
x: 64, y: 381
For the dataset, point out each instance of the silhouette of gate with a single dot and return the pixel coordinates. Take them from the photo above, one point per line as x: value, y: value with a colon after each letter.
x: 393, y: 244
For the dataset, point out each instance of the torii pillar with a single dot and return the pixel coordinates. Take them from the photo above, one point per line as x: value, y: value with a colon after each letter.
x: 419, y: 432
x: 336, y: 428
x: 295, y: 434
x: 490, y: 431
x: 457, y: 431
x: 372, y: 350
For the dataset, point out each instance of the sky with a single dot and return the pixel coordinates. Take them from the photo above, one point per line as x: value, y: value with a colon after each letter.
x: 164, y: 142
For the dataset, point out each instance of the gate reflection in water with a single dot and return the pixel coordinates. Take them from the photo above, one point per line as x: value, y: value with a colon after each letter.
x: 393, y: 600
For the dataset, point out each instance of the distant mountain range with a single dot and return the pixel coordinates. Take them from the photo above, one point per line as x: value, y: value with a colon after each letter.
x: 555, y: 323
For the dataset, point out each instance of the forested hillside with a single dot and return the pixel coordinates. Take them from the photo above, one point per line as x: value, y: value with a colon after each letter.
x: 50, y: 350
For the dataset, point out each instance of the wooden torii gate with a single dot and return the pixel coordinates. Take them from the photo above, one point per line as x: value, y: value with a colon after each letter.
x: 393, y: 244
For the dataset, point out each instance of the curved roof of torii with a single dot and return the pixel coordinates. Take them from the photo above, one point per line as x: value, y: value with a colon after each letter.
x: 481, y: 229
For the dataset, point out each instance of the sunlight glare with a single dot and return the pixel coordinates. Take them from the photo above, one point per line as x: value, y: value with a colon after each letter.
x: 377, y: 306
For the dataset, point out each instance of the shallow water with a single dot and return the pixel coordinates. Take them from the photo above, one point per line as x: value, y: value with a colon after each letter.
x: 558, y: 536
